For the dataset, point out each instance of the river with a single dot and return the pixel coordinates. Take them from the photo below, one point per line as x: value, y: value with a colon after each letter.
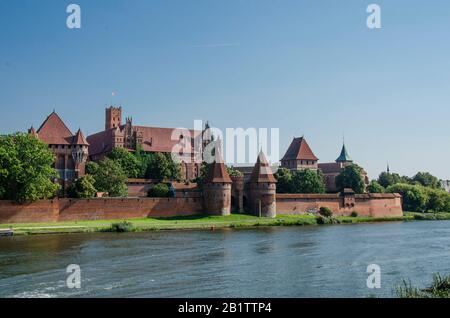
x: 310, y: 261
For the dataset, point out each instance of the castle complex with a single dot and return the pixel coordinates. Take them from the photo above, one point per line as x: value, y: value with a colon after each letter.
x: 221, y: 194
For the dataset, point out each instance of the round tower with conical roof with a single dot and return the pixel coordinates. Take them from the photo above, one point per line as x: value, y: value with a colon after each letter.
x: 262, y: 189
x: 217, y: 187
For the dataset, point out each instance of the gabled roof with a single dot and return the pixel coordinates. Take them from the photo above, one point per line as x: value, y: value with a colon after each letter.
x: 261, y: 171
x: 53, y: 131
x: 217, y: 172
x: 299, y: 150
x: 79, y: 139
x: 344, y: 157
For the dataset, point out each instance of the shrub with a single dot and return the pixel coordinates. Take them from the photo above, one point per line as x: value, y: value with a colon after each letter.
x: 354, y: 214
x: 82, y: 188
x: 326, y: 212
x: 160, y: 190
x: 122, y: 227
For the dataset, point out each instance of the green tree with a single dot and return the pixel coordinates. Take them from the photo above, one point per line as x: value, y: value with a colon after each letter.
x: 351, y: 177
x: 284, y: 180
x: 414, y: 197
x: 109, y: 177
x: 160, y: 190
x: 427, y: 180
x: 91, y: 168
x: 82, y: 188
x: 162, y: 167
x: 438, y: 200
x: 387, y: 179
x: 128, y: 161
x: 26, y: 172
x: 233, y: 172
x: 375, y: 187
x: 307, y: 181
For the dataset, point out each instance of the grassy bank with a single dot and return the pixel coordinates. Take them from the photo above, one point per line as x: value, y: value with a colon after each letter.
x: 199, y: 222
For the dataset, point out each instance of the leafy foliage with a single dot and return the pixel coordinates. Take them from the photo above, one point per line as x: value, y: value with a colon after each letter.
x: 375, y: 187
x: 326, y: 212
x: 26, y: 171
x: 307, y: 181
x: 303, y: 181
x: 128, y: 161
x: 350, y: 177
x: 82, y: 188
x: 162, y: 167
x: 122, y: 227
x: 160, y: 190
x: 417, y: 198
x: 109, y: 177
x: 284, y: 180
x: 233, y: 172
x: 427, y: 180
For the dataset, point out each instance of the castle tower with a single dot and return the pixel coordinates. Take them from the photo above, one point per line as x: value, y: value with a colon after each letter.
x: 80, y: 152
x: 217, y: 187
x: 262, y: 189
x: 113, y: 117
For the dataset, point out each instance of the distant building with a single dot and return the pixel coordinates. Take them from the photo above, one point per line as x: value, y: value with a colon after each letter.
x: 149, y: 139
x: 70, y: 150
x: 445, y: 184
x: 299, y: 156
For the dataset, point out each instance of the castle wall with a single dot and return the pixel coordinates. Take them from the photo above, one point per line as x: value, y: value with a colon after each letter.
x: 219, y: 202
x: 98, y: 208
x: 375, y: 205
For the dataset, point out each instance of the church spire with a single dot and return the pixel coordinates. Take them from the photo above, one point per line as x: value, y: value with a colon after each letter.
x: 344, y: 157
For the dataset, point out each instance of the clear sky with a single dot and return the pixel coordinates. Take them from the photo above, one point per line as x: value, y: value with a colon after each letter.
x: 310, y: 68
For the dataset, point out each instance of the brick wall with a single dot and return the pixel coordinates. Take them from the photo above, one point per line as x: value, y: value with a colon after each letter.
x: 376, y: 205
x: 98, y: 208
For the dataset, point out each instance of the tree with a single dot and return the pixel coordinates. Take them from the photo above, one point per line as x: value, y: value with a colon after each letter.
x: 351, y: 177
x: 82, y: 188
x: 91, y: 168
x: 233, y: 172
x: 375, y: 187
x: 427, y: 180
x: 387, y: 179
x: 307, y: 181
x: 26, y: 169
x: 109, y: 177
x: 414, y: 197
x: 284, y: 180
x: 129, y: 162
x: 160, y: 190
x: 162, y: 167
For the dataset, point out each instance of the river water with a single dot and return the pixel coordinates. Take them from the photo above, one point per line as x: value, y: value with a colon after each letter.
x: 314, y: 261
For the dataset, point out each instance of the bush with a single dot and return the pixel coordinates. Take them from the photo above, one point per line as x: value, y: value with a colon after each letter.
x: 82, y: 188
x: 122, y: 227
x: 326, y: 212
x: 160, y: 190
x: 354, y: 214
x: 320, y: 219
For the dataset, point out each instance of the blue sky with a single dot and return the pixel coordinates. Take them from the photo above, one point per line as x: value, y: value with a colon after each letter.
x: 310, y: 68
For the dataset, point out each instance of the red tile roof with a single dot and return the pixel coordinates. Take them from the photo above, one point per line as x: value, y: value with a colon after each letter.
x: 217, y: 172
x: 79, y: 139
x: 299, y: 150
x: 262, y: 171
x: 332, y: 167
x: 101, y: 142
x: 53, y: 131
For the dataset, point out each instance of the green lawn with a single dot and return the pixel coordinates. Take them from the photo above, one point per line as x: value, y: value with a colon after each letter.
x: 187, y: 222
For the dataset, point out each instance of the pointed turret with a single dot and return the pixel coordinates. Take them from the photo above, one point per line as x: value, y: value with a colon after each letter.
x: 32, y: 132
x: 79, y: 139
x: 261, y: 171
x: 217, y: 186
x: 262, y: 188
x: 344, y: 157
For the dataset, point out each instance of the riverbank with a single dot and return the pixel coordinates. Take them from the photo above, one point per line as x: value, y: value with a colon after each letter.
x: 204, y: 222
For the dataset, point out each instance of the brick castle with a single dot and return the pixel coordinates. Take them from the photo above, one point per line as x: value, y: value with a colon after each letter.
x: 221, y: 194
